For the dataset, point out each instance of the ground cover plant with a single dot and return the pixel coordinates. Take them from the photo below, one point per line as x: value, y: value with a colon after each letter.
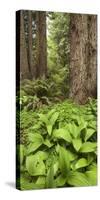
x: 61, y: 148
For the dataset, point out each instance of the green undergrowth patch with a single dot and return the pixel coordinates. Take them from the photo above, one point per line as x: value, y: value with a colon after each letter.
x: 61, y: 146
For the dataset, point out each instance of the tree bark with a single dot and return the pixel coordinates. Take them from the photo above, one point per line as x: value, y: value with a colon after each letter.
x: 30, y: 48
x: 41, y: 63
x: 24, y: 70
x: 82, y: 57
x: 92, y: 56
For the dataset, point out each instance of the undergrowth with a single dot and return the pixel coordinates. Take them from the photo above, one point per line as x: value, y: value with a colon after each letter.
x: 60, y: 148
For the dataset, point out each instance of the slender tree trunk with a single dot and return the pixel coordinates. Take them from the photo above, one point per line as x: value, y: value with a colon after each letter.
x: 41, y: 64
x: 24, y: 70
x: 30, y: 48
x: 80, y: 59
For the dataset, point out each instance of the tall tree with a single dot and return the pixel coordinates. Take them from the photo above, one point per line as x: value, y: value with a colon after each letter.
x: 92, y: 56
x: 30, y: 48
x: 24, y: 69
x: 82, y: 57
x: 41, y: 64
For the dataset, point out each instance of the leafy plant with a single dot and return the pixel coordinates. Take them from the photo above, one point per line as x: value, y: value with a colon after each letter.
x: 61, y: 148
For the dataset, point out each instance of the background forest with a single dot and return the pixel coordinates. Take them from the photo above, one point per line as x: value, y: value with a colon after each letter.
x: 56, y: 91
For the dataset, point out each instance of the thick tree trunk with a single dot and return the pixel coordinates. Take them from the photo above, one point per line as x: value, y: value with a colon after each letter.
x: 92, y: 56
x: 82, y: 64
x: 30, y: 48
x: 24, y: 70
x: 41, y: 64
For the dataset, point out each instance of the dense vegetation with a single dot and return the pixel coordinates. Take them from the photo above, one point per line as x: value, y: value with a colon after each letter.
x: 57, y: 144
x: 56, y: 103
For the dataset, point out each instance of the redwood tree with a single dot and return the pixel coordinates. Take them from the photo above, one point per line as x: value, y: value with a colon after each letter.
x: 41, y: 63
x: 30, y: 48
x: 24, y: 69
x: 83, y: 33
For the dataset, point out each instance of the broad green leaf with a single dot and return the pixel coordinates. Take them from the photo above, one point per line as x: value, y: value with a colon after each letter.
x: 90, y: 158
x: 92, y: 167
x: 53, y: 118
x: 41, y: 181
x: 60, y: 181
x: 48, y: 143
x: 62, y: 133
x: 74, y: 130
x: 50, y: 113
x: 37, y: 141
x: 88, y: 147
x: 34, y: 166
x: 92, y: 177
x: 81, y: 163
x: 92, y: 124
x: 56, y: 166
x: 50, y: 178
x: 72, y: 156
x: 64, y: 162
x: 43, y: 118
x: 41, y: 155
x: 34, y: 137
x: 49, y: 129
x: 89, y: 133
x: 77, y: 179
x: 77, y: 143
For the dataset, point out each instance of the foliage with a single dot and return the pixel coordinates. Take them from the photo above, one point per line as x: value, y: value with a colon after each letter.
x: 58, y: 50
x: 61, y: 147
x: 40, y: 92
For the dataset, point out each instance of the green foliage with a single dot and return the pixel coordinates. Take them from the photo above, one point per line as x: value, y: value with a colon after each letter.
x: 61, y: 146
x: 58, y: 51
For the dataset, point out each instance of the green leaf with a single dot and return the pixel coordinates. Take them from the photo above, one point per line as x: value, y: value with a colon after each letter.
x: 60, y: 181
x: 50, y: 178
x: 41, y: 155
x: 54, y: 118
x: 89, y: 133
x: 74, y: 130
x: 81, y: 163
x: 36, y: 142
x: 77, y: 179
x: 48, y: 143
x: 88, y: 147
x: 64, y: 162
x: 43, y: 118
x: 56, y: 166
x: 49, y: 129
x: 50, y: 113
x: 77, y: 143
x: 72, y: 156
x: 41, y: 181
x: 92, y: 177
x: 34, y: 166
x: 35, y: 137
x: 62, y: 133
x: 92, y: 167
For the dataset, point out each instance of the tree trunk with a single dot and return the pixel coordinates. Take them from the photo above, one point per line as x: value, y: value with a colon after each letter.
x: 30, y: 48
x: 82, y: 64
x: 41, y: 64
x: 92, y: 56
x: 24, y: 70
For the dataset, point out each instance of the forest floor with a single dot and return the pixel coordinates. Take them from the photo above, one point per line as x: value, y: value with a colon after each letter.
x: 63, y: 134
